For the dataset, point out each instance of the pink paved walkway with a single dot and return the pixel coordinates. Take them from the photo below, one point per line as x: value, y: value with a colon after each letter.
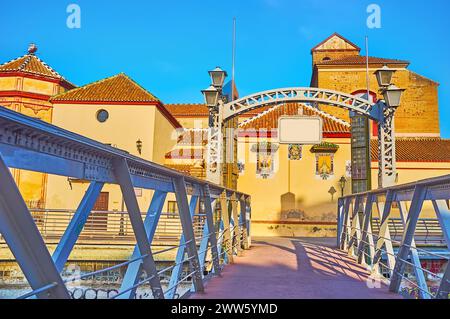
x: 288, y: 268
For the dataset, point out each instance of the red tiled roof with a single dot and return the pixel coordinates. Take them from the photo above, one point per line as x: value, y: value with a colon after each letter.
x: 417, y: 149
x: 358, y: 59
x: 31, y: 64
x: 188, y: 109
x: 118, y: 88
x: 269, y: 119
x: 201, y: 110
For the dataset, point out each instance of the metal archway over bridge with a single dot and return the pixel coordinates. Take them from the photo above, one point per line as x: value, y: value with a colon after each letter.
x: 301, y: 95
x: 379, y: 112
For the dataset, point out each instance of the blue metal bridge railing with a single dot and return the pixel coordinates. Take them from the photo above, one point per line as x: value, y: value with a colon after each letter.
x: 371, y: 239
x: 30, y: 144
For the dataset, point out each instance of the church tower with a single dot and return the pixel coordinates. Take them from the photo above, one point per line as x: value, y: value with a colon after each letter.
x: 26, y: 84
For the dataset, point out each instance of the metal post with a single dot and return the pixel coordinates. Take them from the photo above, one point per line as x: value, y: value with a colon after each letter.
x: 214, y: 155
x: 346, y: 220
x: 248, y: 219
x: 443, y: 214
x: 408, y: 235
x: 68, y: 240
x: 209, y: 234
x: 236, y: 243
x: 387, y: 172
x: 366, y: 229
x: 24, y: 240
x: 415, y: 260
x: 384, y: 235
x: 181, y: 252
x: 188, y: 231
x: 131, y: 277
x: 355, y: 234
x: 243, y: 221
x: 123, y: 177
x: 444, y: 288
x: 227, y: 225
x: 340, y: 219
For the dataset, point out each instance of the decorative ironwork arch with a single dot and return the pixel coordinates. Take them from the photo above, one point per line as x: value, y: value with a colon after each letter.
x: 379, y: 112
x: 301, y: 95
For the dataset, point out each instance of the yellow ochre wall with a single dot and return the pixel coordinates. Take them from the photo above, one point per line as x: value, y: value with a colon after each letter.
x: 31, y: 184
x: 125, y: 125
x: 418, y: 113
x: 311, y: 192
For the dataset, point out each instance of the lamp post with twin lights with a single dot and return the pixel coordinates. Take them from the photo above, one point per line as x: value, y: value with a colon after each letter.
x: 214, y: 99
x: 386, y: 139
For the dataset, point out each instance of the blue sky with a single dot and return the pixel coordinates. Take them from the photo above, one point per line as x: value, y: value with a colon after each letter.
x: 168, y: 45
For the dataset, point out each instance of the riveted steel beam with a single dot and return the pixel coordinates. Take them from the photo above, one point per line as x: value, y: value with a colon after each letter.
x: 148, y: 263
x: 24, y: 240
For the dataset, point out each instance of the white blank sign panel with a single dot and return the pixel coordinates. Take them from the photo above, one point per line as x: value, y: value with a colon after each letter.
x: 300, y: 130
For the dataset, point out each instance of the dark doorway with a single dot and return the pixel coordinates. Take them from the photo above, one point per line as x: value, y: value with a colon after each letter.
x: 98, y: 220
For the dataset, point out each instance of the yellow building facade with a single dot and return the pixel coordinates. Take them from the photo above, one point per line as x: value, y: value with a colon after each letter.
x: 26, y: 84
x: 118, y: 112
x: 294, y: 188
x: 296, y: 195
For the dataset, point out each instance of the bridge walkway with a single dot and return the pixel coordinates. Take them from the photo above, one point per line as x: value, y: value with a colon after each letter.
x: 293, y: 268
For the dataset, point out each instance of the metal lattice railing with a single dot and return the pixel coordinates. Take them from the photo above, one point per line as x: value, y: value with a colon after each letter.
x: 383, y: 230
x: 201, y: 242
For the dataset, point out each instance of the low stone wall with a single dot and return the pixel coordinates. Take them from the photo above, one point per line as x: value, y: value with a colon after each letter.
x: 293, y: 229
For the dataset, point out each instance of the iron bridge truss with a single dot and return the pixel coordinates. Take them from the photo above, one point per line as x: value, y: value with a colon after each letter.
x: 31, y: 144
x: 356, y: 233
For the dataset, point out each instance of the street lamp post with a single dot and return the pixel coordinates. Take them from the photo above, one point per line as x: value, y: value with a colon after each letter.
x: 386, y: 139
x: 342, y: 182
x: 214, y: 99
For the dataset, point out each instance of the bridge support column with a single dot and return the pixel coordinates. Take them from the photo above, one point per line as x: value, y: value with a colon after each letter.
x: 408, y: 235
x: 186, y: 211
x: 384, y: 235
x: 225, y: 219
x: 131, y: 277
x: 345, y: 223
x: 68, y: 240
x: 123, y: 177
x: 181, y: 253
x: 415, y: 260
x: 209, y: 234
x: 355, y: 234
x: 387, y: 170
x: 243, y: 221
x: 443, y: 214
x: 214, y: 156
x: 366, y: 236
x: 25, y: 242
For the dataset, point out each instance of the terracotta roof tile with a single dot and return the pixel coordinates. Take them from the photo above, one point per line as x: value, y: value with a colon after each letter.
x: 118, y: 88
x: 188, y: 109
x: 31, y: 64
x: 358, y: 59
x: 201, y: 110
x: 418, y: 149
x: 269, y: 118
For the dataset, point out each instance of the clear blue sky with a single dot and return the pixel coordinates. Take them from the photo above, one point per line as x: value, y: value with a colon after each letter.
x: 167, y: 46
